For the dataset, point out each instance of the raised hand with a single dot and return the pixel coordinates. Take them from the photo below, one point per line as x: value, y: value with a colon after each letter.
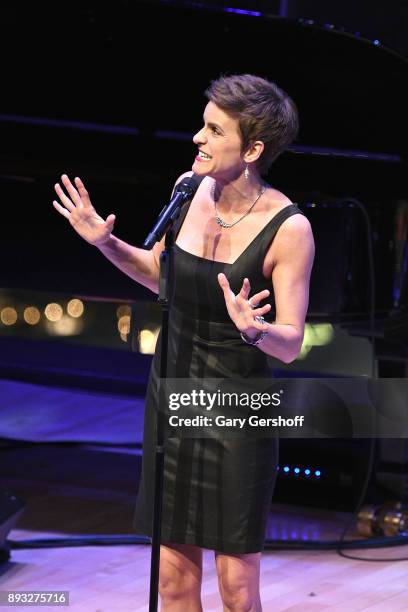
x: 78, y: 209
x: 244, y: 312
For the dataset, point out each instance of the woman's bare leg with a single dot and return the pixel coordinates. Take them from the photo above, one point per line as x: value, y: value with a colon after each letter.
x: 238, y: 579
x: 180, y: 577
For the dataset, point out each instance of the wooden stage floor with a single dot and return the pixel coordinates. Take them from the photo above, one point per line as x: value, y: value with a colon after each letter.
x: 116, y: 578
x: 66, y: 495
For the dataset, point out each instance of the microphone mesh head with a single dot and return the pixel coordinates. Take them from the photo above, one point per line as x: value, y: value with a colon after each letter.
x: 189, y: 185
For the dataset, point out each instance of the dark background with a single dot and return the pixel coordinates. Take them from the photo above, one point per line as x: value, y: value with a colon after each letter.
x: 142, y: 67
x: 113, y: 92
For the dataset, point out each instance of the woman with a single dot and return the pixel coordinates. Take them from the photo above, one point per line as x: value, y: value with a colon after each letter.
x: 238, y: 242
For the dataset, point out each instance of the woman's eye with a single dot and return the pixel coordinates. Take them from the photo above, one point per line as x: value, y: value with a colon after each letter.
x: 215, y: 131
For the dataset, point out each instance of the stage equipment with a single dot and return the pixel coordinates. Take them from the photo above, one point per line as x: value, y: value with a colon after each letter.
x: 392, y: 467
x: 11, y: 508
x: 390, y: 519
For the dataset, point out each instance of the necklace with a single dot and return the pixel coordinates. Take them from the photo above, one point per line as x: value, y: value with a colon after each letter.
x: 226, y: 225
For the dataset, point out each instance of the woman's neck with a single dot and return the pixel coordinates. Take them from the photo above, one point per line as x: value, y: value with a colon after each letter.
x: 237, y: 194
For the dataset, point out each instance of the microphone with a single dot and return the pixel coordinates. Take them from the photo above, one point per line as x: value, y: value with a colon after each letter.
x: 183, y: 192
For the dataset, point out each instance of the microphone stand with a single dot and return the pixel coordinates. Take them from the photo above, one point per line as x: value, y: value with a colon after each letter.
x: 185, y: 191
x: 164, y: 285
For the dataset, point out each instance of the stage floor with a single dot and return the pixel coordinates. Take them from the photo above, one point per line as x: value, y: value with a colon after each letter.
x: 75, y: 485
x: 63, y: 500
x: 116, y: 578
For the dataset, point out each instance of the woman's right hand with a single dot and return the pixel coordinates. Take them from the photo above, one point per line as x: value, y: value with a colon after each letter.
x: 78, y: 209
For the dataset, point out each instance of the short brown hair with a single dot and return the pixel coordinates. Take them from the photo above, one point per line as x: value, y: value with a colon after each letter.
x: 264, y: 112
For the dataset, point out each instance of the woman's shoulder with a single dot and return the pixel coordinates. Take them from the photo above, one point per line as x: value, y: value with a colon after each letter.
x: 296, y: 225
x: 276, y: 199
x: 295, y: 231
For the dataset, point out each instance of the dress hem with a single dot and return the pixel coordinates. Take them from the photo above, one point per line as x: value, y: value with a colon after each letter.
x: 207, y: 542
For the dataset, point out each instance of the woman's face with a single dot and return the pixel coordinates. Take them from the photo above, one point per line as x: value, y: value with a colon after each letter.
x: 219, y: 145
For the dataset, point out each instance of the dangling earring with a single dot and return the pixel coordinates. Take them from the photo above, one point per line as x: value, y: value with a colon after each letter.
x: 246, y: 172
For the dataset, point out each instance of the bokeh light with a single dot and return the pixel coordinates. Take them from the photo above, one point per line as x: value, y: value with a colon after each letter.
x: 8, y: 315
x: 53, y: 312
x: 147, y: 341
x: 65, y: 326
x: 123, y: 311
x: 31, y: 315
x: 316, y: 334
x: 75, y: 308
x: 124, y: 324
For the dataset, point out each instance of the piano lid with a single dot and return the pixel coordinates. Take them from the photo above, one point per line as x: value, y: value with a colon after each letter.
x: 351, y: 92
x: 146, y: 64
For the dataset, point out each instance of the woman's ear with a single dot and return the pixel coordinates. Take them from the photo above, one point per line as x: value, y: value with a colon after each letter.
x: 254, y: 151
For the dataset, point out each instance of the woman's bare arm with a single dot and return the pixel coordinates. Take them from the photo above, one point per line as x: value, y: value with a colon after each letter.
x: 75, y: 205
x: 294, y: 254
x: 142, y: 266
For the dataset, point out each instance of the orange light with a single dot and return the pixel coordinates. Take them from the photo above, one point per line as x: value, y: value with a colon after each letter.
x: 147, y: 341
x: 53, y: 312
x: 124, y: 324
x: 65, y: 326
x: 8, y: 315
x: 75, y: 308
x: 123, y: 310
x: 31, y: 315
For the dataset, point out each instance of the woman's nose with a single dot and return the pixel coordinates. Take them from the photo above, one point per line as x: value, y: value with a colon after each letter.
x: 199, y: 137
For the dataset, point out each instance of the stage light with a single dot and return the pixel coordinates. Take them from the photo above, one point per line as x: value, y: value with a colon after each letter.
x: 147, y: 341
x: 316, y: 334
x: 390, y: 519
x: 124, y: 324
x: 75, y: 308
x: 8, y: 315
x: 300, y: 472
x: 123, y: 311
x: 31, y: 315
x: 65, y: 326
x: 53, y: 312
x: 323, y: 333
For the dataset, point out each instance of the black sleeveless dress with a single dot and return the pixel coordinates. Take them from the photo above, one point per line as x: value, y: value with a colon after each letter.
x: 217, y: 493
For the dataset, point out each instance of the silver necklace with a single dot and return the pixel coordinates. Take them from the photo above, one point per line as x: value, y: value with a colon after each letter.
x: 223, y: 223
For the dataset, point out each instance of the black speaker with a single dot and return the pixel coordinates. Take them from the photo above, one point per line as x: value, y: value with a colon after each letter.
x: 11, y: 509
x: 392, y: 470
x: 339, y: 282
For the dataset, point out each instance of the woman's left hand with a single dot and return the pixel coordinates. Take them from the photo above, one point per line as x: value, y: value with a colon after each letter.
x: 243, y: 311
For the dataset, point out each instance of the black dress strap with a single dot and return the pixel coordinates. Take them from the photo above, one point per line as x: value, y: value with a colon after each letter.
x: 261, y: 243
x: 263, y: 240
